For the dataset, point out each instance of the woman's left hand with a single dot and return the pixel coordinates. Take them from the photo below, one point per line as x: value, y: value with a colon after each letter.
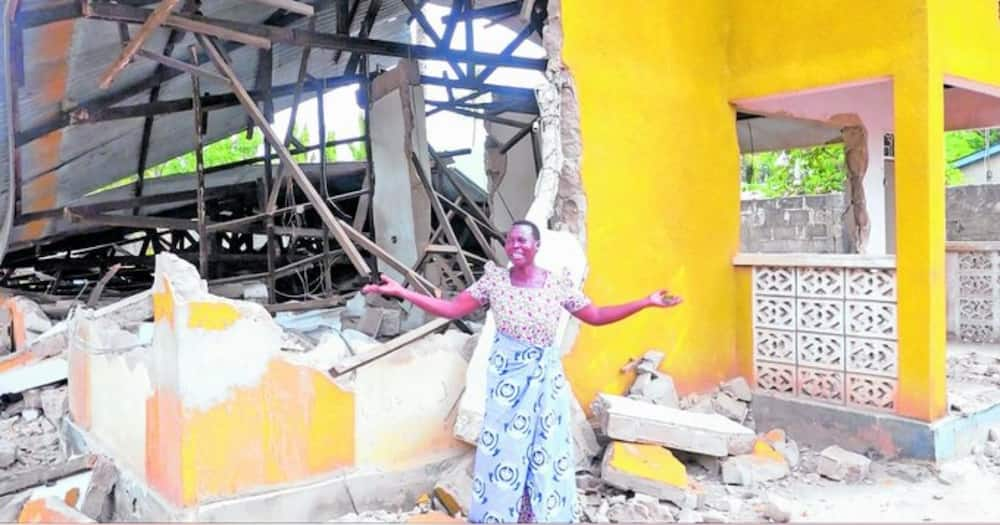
x: 663, y: 299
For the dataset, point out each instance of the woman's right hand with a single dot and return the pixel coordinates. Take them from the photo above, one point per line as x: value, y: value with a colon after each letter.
x: 387, y: 287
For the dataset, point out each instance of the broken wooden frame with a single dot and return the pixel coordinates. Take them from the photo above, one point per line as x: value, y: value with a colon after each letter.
x: 275, y: 29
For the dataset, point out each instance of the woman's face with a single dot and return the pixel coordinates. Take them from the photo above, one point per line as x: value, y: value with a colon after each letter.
x: 521, y: 245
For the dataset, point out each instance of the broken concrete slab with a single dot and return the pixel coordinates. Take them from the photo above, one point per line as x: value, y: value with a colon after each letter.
x: 629, y: 420
x: 842, y: 465
x: 649, y: 469
x: 730, y: 407
x: 97, y: 502
x: 33, y: 375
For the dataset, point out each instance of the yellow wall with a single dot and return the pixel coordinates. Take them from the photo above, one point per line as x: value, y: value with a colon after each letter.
x: 660, y: 163
x: 659, y: 169
x: 967, y: 34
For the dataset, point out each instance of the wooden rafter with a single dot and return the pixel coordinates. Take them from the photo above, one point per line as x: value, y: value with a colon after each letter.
x: 287, y: 161
x: 289, y: 5
x: 155, y: 19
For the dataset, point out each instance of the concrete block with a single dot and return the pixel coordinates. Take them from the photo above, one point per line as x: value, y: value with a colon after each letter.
x: 764, y: 464
x: 689, y: 516
x: 790, y: 203
x: 454, y: 487
x: 842, y: 465
x: 647, y: 469
x: 8, y: 453
x: 815, y: 231
x: 730, y: 407
x: 799, y: 217
x: 650, y: 362
x: 629, y: 420
x: 658, y: 388
x: 738, y: 388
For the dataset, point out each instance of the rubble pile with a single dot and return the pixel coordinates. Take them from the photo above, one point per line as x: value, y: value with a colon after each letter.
x: 973, y: 381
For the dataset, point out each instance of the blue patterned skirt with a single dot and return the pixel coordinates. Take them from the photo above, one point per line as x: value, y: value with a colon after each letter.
x: 525, y: 451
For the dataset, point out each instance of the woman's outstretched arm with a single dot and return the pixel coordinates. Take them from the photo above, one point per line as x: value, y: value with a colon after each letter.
x: 602, y: 315
x: 462, y: 305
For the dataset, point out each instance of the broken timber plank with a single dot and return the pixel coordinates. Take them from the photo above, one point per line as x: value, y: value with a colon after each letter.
x: 286, y: 159
x: 418, y: 281
x: 154, y: 21
x: 182, y: 66
x: 463, y: 263
x: 291, y: 6
x: 354, y: 362
x: 17, y: 482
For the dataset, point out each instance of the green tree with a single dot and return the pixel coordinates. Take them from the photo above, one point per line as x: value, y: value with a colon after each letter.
x: 805, y: 171
x: 331, y: 151
x: 358, y: 151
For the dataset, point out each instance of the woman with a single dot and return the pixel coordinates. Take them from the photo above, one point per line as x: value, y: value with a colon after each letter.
x: 524, y: 461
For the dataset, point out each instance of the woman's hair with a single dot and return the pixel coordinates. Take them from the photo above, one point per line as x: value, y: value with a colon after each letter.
x: 534, y: 229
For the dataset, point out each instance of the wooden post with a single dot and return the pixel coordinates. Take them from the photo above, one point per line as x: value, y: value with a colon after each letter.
x: 199, y: 166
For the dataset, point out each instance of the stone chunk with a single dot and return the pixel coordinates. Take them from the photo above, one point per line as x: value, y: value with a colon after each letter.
x: 634, y: 421
x: 55, y: 403
x: 454, y: 488
x: 738, y: 388
x: 657, y: 388
x: 789, y: 450
x: 658, y: 512
x: 749, y: 469
x: 8, y: 453
x: 842, y: 465
x: 779, y: 509
x: 993, y: 435
x: 730, y: 407
x: 629, y: 512
x: 648, y: 469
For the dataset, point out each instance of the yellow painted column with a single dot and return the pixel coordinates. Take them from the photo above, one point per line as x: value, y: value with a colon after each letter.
x: 920, y: 212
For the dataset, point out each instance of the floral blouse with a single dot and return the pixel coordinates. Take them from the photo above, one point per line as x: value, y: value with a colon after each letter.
x: 527, y: 314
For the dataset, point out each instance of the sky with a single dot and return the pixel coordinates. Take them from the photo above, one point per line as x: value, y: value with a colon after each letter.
x: 445, y: 131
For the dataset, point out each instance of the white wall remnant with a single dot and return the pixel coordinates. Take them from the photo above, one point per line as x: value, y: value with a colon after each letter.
x: 402, y: 218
